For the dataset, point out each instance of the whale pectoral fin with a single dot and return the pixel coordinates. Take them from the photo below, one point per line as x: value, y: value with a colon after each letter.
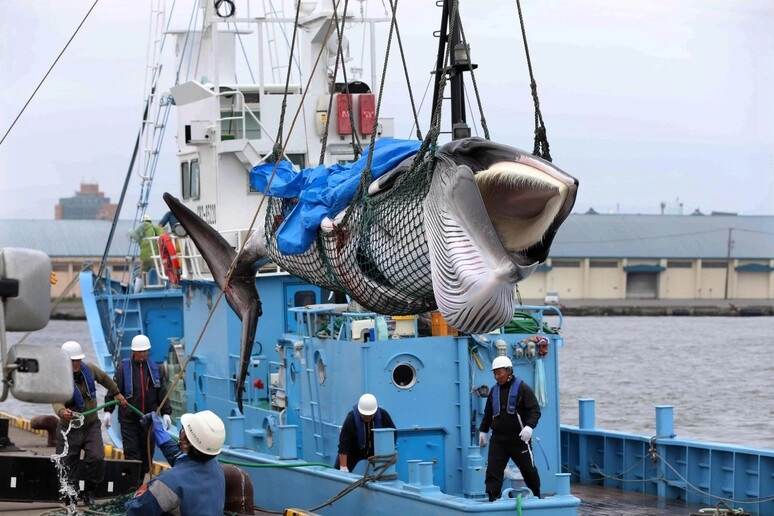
x: 241, y: 293
x: 471, y: 270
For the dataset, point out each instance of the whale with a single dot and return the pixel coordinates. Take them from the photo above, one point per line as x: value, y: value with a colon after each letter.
x: 452, y: 228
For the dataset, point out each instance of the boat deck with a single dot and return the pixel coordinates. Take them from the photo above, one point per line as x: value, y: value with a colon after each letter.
x: 595, y: 500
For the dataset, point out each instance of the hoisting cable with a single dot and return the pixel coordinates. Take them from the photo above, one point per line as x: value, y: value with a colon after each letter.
x: 541, y: 148
x: 48, y: 72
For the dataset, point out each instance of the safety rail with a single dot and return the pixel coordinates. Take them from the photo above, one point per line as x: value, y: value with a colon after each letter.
x: 192, y: 264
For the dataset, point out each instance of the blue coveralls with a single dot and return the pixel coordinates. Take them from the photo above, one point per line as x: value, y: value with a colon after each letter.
x: 189, y: 488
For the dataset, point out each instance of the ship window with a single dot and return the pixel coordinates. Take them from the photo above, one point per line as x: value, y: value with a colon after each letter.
x: 404, y: 376
x: 185, y: 178
x: 189, y: 178
x: 304, y: 297
x: 195, y: 179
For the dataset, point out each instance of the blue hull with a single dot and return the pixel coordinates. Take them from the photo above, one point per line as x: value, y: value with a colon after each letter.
x: 307, y: 372
x: 302, y: 383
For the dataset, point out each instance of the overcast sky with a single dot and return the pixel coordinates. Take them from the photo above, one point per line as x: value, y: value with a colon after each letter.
x: 644, y: 101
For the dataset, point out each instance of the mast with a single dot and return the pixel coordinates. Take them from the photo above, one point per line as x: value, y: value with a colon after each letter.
x: 460, y: 63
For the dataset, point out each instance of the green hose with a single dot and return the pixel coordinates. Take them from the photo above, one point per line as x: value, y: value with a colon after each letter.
x: 110, y: 404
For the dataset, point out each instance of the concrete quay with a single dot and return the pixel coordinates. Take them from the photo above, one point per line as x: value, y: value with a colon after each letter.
x: 664, y: 307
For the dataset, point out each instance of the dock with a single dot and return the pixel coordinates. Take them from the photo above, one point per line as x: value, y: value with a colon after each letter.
x: 25, y: 442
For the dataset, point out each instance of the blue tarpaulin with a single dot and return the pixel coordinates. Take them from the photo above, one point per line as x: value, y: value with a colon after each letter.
x: 323, y: 191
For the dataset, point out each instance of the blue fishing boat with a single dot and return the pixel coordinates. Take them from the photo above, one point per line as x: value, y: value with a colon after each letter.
x: 284, y: 387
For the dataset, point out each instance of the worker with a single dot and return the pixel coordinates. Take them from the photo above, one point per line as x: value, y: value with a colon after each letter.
x: 86, y: 437
x: 356, y: 440
x: 512, y: 412
x: 143, y: 384
x: 175, y: 227
x: 195, y: 484
x: 142, y: 235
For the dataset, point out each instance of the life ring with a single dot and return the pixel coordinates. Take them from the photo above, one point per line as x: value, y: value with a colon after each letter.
x: 169, y: 258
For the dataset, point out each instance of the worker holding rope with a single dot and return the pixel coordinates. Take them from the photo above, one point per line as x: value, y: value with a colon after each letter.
x: 143, y: 384
x: 196, y: 483
x: 86, y: 435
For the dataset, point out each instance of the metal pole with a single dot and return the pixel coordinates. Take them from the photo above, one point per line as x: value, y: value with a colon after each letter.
x: 728, y: 261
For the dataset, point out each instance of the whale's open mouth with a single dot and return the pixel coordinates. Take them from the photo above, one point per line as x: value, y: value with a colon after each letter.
x: 522, y: 202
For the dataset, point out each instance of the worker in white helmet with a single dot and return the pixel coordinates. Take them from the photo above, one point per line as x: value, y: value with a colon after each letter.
x: 195, y: 484
x: 356, y: 439
x: 512, y: 412
x: 143, y: 384
x: 88, y: 436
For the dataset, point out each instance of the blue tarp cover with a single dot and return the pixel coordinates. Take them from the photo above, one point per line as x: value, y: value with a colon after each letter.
x: 323, y: 191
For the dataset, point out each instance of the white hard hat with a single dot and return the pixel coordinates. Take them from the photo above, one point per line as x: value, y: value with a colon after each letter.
x: 146, y: 218
x: 366, y: 405
x: 501, y: 361
x: 73, y: 349
x: 205, y: 431
x: 140, y: 343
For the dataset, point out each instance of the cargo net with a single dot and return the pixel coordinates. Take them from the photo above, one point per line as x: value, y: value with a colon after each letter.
x: 377, y: 253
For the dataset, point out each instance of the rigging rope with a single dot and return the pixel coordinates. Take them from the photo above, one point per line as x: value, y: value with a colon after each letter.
x: 541, y: 148
x: 24, y: 107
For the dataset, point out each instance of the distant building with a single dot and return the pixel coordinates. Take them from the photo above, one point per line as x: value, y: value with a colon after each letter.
x: 88, y: 204
x: 718, y: 256
x: 592, y: 257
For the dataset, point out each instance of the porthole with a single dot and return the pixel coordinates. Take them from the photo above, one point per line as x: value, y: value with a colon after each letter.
x: 404, y: 375
x: 269, y: 437
x: 320, y: 370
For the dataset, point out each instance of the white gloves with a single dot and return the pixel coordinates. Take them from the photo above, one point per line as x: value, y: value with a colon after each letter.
x: 482, y: 439
x: 168, y: 421
x: 344, y: 468
x: 106, y: 417
x: 526, y: 434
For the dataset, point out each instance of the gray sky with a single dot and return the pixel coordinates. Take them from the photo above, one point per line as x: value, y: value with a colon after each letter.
x: 644, y: 101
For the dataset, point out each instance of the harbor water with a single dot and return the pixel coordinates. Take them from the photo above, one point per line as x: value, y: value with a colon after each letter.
x: 715, y: 371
